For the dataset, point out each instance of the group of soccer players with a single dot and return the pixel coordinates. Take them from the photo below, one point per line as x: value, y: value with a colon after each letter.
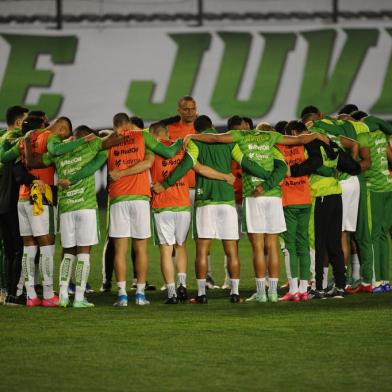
x: 319, y: 187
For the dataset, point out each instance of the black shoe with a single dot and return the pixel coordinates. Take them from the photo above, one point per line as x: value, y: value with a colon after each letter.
x: 235, y: 299
x: 336, y: 293
x: 210, y: 283
x: 106, y: 287
x: 171, y: 301
x: 317, y: 294
x: 39, y: 289
x: 182, y: 293
x: 200, y: 299
x: 13, y: 300
x: 150, y: 287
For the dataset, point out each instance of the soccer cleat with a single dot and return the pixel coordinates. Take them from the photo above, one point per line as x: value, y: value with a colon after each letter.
x: 210, y: 283
x: 316, y: 294
x: 71, y: 288
x: 290, y: 297
x: 106, y: 287
x: 200, y: 299
x: 12, y: 300
x: 82, y: 304
x: 171, y: 301
x: 386, y: 288
x: 140, y: 299
x: 273, y: 297
x: 257, y: 297
x: 226, y: 284
x: 51, y: 302
x: 285, y: 286
x: 362, y: 288
x: 163, y: 288
x: 182, y: 293
x: 336, y: 293
x: 236, y: 299
x: 122, y: 300
x: 303, y: 296
x: 150, y: 287
x: 89, y: 289
x: 64, y: 302
x: 33, y: 302
x: 134, y: 287
x: 378, y: 289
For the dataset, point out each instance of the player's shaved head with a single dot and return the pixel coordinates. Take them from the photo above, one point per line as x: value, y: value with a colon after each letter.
x: 185, y: 98
x: 159, y: 129
x: 137, y: 121
x: 120, y: 119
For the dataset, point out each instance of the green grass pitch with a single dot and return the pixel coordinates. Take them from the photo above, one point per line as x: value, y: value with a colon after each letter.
x: 333, y: 345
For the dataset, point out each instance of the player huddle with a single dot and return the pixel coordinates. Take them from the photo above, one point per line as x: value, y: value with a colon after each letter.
x: 320, y: 186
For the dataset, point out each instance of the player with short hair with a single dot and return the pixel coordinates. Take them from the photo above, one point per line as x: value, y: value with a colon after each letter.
x: 297, y: 201
x: 129, y: 202
x: 215, y: 215
x: 263, y: 218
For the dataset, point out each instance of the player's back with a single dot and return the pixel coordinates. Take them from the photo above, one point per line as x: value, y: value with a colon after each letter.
x: 217, y: 156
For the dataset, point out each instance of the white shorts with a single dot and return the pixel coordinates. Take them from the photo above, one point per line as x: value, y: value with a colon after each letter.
x: 217, y: 221
x: 171, y: 227
x: 130, y: 219
x: 36, y: 225
x: 263, y: 214
x: 238, y: 207
x: 350, y: 200
x: 79, y: 228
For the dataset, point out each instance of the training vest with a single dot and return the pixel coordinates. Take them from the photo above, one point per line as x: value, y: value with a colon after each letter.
x: 179, y: 130
x: 176, y: 195
x: 121, y: 157
x: 39, y: 143
x: 295, y: 190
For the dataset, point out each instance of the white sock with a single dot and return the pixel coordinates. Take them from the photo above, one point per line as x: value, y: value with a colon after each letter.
x: 19, y: 287
x: 122, y: 288
x: 28, y: 268
x: 209, y: 265
x: 303, y: 286
x: 201, y: 287
x: 181, y: 278
x: 273, y: 285
x: 355, y: 267
x: 293, y: 283
x: 46, y: 267
x: 234, y: 286
x: 171, y: 290
x: 65, y: 273
x: 140, y: 288
x: 82, y: 271
x: 325, y: 277
x: 260, y: 285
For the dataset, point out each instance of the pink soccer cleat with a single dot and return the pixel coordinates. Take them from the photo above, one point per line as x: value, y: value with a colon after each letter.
x: 51, y: 302
x: 303, y: 296
x: 33, y: 302
x: 290, y: 297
